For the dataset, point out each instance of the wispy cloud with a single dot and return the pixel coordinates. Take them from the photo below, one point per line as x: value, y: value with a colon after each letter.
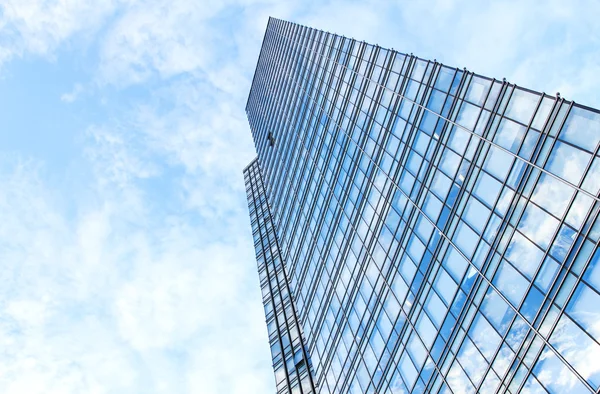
x: 73, y: 94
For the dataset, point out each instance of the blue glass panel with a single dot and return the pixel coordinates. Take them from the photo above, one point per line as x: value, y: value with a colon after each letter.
x: 449, y: 163
x: 436, y: 308
x: 407, y: 370
x: 487, y: 189
x: 498, y: 163
x: 432, y: 207
x: 582, y: 128
x: 509, y: 135
x: 458, y: 380
x: 436, y: 101
x: 591, y: 182
x: 567, y: 162
x: 532, y: 304
x: 458, y: 140
x: 397, y: 385
x: 426, y: 330
x: 521, y: 106
x: 524, y: 254
x: 552, y: 195
x: 455, y: 264
x: 445, y: 286
x: 584, y: 308
x: 484, y: 336
x: 477, y: 91
x: 592, y: 274
x: 578, y: 349
x: 547, y: 273
x: 417, y: 351
x: 448, y: 326
x: 538, y: 225
x: 476, y: 214
x: 466, y: 239
x: 532, y: 386
x: 472, y: 361
x: 444, y: 78
x: 497, y: 311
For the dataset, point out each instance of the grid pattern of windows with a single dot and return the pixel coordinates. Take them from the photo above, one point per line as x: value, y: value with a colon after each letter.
x: 290, y: 360
x: 439, y: 228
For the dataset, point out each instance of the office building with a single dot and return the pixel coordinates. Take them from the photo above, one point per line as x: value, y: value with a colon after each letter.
x: 418, y: 227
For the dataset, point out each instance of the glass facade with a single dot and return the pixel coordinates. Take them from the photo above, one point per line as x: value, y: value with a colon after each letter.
x: 290, y: 360
x: 428, y: 229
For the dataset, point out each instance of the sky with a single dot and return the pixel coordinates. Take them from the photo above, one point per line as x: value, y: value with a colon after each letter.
x: 125, y: 244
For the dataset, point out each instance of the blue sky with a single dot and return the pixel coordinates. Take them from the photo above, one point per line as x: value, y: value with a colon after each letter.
x: 127, y: 258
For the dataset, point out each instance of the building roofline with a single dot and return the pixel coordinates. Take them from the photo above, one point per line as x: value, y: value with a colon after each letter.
x: 262, y: 47
x: 250, y: 164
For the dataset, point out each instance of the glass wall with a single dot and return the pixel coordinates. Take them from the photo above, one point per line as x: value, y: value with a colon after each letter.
x: 439, y: 228
x: 290, y: 359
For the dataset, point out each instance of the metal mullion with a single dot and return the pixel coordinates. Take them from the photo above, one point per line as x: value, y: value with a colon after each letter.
x: 401, y: 158
x: 266, y: 217
x: 280, y: 111
x: 330, y: 197
x: 305, y: 196
x: 531, y: 328
x: 431, y: 166
x: 465, y: 193
x: 373, y: 54
x: 362, y: 266
x: 258, y: 61
x: 507, y: 151
x: 412, y: 216
x: 291, y: 157
x: 273, y: 108
x: 293, y: 308
x: 289, y: 134
x: 540, y: 312
x: 386, y: 135
x: 313, y: 107
x: 261, y: 231
x: 524, y: 181
x: 478, y: 270
x: 380, y: 148
x: 319, y: 224
x: 321, y: 139
x: 331, y: 194
x: 578, y: 278
x: 497, y: 239
x: 357, y: 287
x: 258, y: 110
x: 507, y: 373
x: 284, y: 158
x: 312, y: 112
x: 477, y: 282
x: 561, y: 313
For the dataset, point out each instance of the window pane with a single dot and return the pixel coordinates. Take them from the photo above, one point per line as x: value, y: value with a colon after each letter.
x: 555, y: 375
x: 578, y: 349
x: 582, y: 128
x: 584, y: 308
x: 512, y: 284
x: 567, y: 162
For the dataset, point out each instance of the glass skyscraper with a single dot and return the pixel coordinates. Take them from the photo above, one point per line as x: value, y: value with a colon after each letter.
x: 420, y: 228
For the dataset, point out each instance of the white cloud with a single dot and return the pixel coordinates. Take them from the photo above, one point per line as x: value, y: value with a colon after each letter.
x: 163, y: 37
x: 89, y: 305
x: 41, y: 26
x: 73, y: 94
